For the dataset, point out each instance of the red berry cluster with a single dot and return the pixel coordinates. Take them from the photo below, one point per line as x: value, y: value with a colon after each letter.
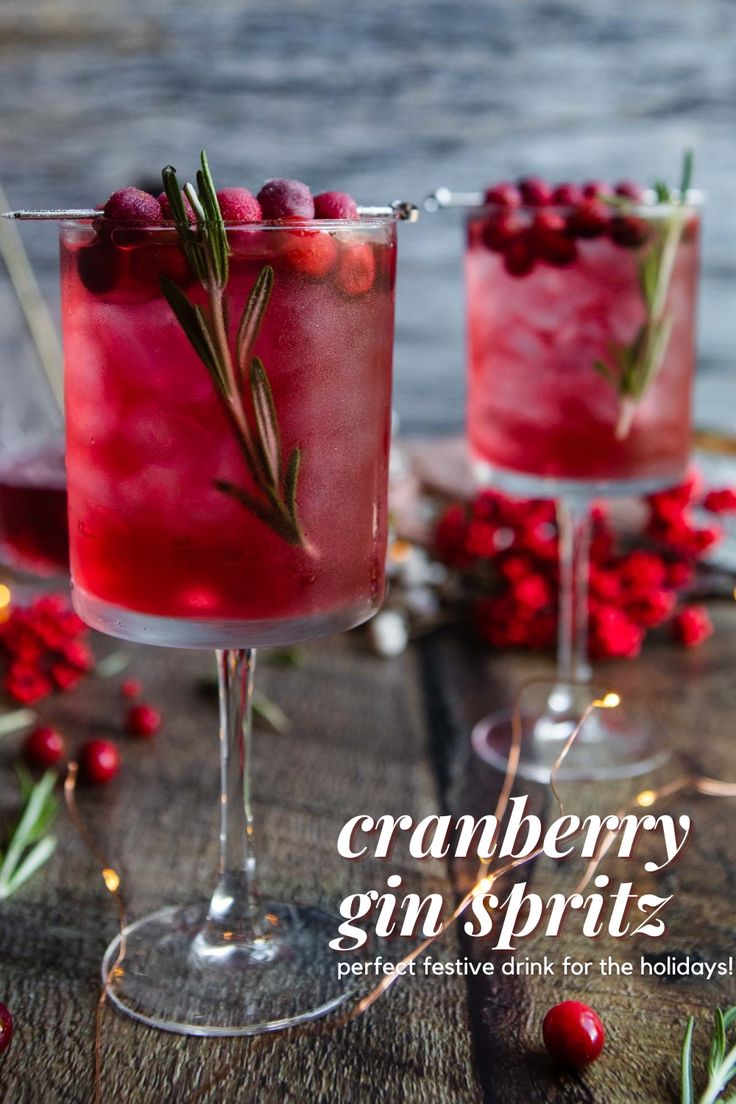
x: 533, y: 221
x: 44, y: 649
x: 507, y: 549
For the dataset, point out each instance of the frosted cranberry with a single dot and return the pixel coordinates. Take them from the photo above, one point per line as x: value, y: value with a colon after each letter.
x: 629, y: 190
x: 143, y: 720
x: 589, y: 219
x: 43, y: 746
x: 99, y: 761
x: 281, y: 199
x: 629, y: 231
x: 566, y: 195
x: 594, y: 188
x: 131, y: 688
x: 133, y: 206
x: 500, y: 230
x: 239, y: 205
x: 99, y: 266
x: 573, y: 1034
x: 520, y: 258
x: 356, y: 269
x: 535, y: 192
x: 335, y: 205
x: 6, y: 1028
x: 503, y: 195
x: 163, y: 201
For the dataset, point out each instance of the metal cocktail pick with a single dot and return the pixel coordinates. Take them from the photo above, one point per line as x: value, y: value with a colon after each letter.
x: 401, y: 210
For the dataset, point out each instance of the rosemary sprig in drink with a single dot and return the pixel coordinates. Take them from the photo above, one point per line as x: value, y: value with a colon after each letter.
x: 634, y: 366
x: 240, y: 378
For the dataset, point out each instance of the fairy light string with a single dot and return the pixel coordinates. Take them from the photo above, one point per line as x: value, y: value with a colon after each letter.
x: 484, y: 881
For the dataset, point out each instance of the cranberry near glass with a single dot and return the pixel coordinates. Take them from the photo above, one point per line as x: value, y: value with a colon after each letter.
x: 581, y: 321
x: 228, y: 407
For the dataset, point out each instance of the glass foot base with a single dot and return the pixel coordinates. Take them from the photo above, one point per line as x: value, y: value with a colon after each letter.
x: 173, y: 979
x: 609, y: 745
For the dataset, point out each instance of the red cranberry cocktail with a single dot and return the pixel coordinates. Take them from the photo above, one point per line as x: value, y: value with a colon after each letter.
x: 576, y: 374
x: 581, y: 342
x: 159, y: 528
x: 228, y: 391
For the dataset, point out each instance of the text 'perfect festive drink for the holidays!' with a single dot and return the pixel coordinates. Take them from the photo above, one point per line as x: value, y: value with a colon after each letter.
x: 228, y: 430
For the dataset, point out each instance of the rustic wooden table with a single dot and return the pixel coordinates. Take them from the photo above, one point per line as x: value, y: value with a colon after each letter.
x: 374, y: 736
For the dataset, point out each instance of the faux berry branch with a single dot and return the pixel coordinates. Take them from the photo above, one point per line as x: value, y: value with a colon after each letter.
x: 634, y: 366
x: 239, y: 374
x: 30, y: 844
x: 721, y: 1065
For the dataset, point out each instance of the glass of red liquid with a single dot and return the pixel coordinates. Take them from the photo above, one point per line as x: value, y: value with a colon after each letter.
x: 211, y: 509
x: 581, y: 344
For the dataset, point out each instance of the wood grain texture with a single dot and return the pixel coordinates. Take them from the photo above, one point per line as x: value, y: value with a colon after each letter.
x: 373, y: 736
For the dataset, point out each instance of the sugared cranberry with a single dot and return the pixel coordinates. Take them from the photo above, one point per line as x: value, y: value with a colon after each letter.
x: 535, y: 192
x: 99, y: 761
x: 566, y: 195
x: 520, y: 258
x: 573, y: 1034
x: 99, y: 266
x: 629, y: 231
x: 335, y: 205
x: 594, y: 188
x: 280, y: 199
x: 6, y: 1028
x: 163, y: 201
x: 629, y: 189
x: 43, y: 746
x: 503, y: 195
x: 131, y: 205
x: 239, y: 205
x: 131, y: 688
x: 500, y: 230
x: 143, y: 720
x: 589, y: 219
x: 356, y: 269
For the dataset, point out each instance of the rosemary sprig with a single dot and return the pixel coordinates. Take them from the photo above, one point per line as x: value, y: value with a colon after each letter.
x: 721, y: 1066
x: 633, y: 367
x: 240, y: 377
x: 30, y: 844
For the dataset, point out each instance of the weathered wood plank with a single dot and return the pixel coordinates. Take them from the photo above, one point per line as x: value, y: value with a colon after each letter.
x: 357, y: 744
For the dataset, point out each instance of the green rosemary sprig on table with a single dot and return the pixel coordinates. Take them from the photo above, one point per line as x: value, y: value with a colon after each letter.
x: 721, y: 1066
x: 240, y: 378
x: 634, y: 366
x: 30, y: 844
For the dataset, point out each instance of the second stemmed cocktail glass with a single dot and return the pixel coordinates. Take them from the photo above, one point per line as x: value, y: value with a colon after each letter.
x: 228, y: 412
x: 581, y: 322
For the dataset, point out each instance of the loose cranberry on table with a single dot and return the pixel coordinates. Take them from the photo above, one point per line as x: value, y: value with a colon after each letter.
x: 131, y: 688
x: 6, y: 1028
x: 99, y: 761
x: 43, y: 746
x: 335, y: 205
x: 283, y: 198
x: 692, y: 626
x: 143, y: 720
x: 573, y: 1034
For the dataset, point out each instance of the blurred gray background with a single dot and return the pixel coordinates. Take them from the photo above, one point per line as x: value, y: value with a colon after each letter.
x: 385, y: 100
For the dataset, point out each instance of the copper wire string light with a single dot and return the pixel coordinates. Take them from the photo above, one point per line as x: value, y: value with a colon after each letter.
x: 485, y: 877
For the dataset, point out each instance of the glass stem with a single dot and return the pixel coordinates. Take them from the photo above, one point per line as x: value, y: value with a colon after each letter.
x: 573, y: 523
x: 232, y: 912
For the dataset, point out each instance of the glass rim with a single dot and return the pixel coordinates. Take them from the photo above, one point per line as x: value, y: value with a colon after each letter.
x: 695, y: 200
x: 361, y: 223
